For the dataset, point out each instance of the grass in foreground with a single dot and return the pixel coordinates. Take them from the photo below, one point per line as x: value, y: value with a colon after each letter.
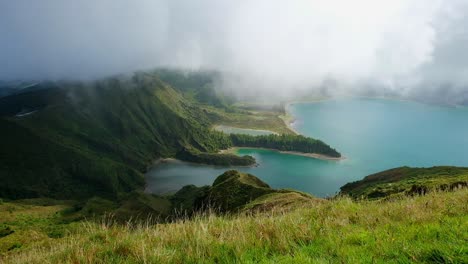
x: 26, y: 222
x: 427, y: 229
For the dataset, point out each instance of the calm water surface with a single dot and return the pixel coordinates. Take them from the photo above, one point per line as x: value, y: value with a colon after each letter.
x: 373, y: 134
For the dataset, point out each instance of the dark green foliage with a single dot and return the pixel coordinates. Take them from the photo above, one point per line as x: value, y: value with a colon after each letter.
x: 188, y: 199
x: 34, y: 166
x: 231, y: 191
x: 97, y: 206
x: 136, y: 206
x: 215, y: 159
x: 5, y: 231
x: 15, y: 246
x: 95, y: 138
x: 407, y: 181
x: 41, y: 96
x: 284, y: 143
x: 139, y: 206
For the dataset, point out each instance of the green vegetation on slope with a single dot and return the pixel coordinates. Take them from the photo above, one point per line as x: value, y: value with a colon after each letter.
x: 241, y: 219
x: 406, y: 180
x: 97, y: 138
x: 421, y: 229
x: 85, y: 139
x: 284, y: 143
x: 26, y: 222
x: 232, y: 192
x: 196, y: 85
x: 199, y: 88
x: 47, y: 219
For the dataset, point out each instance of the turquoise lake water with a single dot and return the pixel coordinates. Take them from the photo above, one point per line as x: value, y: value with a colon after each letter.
x: 374, y: 135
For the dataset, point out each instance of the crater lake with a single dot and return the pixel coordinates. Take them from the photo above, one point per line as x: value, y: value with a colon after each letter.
x: 373, y: 135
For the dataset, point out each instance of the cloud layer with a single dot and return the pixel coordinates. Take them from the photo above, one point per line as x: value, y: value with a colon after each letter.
x: 406, y: 47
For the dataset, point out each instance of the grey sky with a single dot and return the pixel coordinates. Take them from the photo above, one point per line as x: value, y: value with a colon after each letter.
x: 408, y: 47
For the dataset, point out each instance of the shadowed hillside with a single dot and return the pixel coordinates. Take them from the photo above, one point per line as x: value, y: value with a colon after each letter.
x: 83, y: 139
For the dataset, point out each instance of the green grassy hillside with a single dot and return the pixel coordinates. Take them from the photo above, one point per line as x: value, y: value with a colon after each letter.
x: 234, y: 192
x: 418, y: 229
x: 246, y: 222
x: 47, y: 219
x: 407, y: 181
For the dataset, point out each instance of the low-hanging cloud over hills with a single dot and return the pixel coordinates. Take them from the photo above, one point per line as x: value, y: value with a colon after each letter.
x: 414, y: 48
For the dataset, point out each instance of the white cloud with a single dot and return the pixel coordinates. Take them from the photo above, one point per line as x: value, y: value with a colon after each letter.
x: 263, y: 46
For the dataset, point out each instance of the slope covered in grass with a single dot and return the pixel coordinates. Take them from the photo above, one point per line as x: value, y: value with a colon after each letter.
x: 423, y: 229
x: 233, y: 192
x: 241, y: 219
x: 406, y: 180
x: 48, y: 219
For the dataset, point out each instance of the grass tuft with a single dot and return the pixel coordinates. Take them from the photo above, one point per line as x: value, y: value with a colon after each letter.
x: 426, y: 229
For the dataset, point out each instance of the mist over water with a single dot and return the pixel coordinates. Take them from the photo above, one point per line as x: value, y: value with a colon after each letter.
x: 272, y: 49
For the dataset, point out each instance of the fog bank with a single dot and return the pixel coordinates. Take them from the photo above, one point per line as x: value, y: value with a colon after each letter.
x: 411, y: 48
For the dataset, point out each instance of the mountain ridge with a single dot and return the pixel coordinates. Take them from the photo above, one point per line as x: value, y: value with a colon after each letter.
x: 109, y: 131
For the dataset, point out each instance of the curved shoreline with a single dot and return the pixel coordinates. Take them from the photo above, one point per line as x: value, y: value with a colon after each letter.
x: 233, y: 150
x: 289, y: 118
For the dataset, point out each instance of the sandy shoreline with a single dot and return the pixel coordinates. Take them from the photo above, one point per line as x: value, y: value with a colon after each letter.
x: 309, y: 155
x: 289, y: 119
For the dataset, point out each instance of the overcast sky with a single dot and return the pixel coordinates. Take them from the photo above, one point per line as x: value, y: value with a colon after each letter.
x: 407, y: 47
